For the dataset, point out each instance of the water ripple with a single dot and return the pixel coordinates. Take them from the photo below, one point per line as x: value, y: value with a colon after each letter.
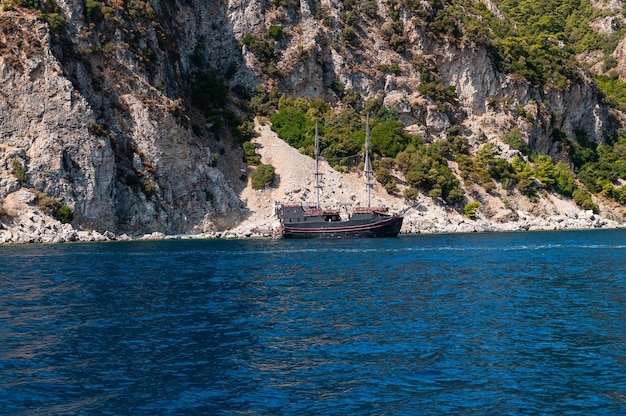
x: 519, y: 323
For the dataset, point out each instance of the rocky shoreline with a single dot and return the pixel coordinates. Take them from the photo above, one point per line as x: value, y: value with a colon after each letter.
x: 35, y: 228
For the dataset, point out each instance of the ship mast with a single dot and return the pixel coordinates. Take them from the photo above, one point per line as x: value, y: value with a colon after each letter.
x: 367, y: 170
x: 317, y: 169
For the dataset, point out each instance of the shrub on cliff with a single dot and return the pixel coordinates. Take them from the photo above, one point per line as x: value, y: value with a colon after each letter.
x: 244, y: 131
x: 350, y: 36
x: 56, y: 21
x: 470, y: 209
x: 515, y: 140
x: 264, y: 103
x: 262, y: 49
x: 30, y: 4
x: 249, y: 154
x: 18, y: 170
x: 64, y: 214
x: 45, y: 202
x: 93, y: 11
x: 275, y: 32
x: 262, y: 176
x: 584, y: 201
x: 5, y: 213
x: 209, y: 92
x: 49, y: 204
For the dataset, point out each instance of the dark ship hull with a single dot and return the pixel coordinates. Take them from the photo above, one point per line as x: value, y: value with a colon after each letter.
x: 300, y: 222
x: 389, y: 227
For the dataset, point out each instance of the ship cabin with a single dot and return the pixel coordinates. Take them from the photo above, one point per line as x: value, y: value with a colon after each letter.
x: 295, y: 213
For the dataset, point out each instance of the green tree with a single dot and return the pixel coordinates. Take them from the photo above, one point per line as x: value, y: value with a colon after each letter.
x: 564, y: 179
x: 262, y: 49
x: 515, y: 140
x: 350, y: 36
x: 209, y: 92
x: 544, y: 170
x: 411, y: 194
x: 523, y: 176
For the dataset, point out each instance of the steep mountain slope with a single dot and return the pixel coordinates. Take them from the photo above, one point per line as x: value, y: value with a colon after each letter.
x: 127, y: 111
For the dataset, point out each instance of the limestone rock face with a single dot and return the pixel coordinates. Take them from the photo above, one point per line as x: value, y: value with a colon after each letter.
x: 44, y: 127
x: 103, y: 140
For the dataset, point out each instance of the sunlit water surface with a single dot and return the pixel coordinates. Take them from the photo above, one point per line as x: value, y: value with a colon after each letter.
x: 511, y: 323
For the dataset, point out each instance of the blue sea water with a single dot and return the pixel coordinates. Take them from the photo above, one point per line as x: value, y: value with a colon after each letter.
x: 499, y: 324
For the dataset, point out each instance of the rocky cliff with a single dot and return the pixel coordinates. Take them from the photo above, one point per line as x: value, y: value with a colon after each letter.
x: 99, y: 123
x: 109, y: 107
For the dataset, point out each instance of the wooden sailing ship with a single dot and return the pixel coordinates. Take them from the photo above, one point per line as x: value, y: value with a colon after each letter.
x: 301, y: 221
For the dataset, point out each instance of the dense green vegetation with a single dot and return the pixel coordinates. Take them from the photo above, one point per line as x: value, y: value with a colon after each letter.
x: 264, y: 48
x: 540, y: 39
x: 527, y: 177
x: 427, y: 170
x: 602, y: 168
x: 342, y: 139
x: 614, y: 89
x: 93, y: 11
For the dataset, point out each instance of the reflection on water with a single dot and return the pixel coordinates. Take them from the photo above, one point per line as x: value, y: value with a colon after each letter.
x: 516, y: 323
